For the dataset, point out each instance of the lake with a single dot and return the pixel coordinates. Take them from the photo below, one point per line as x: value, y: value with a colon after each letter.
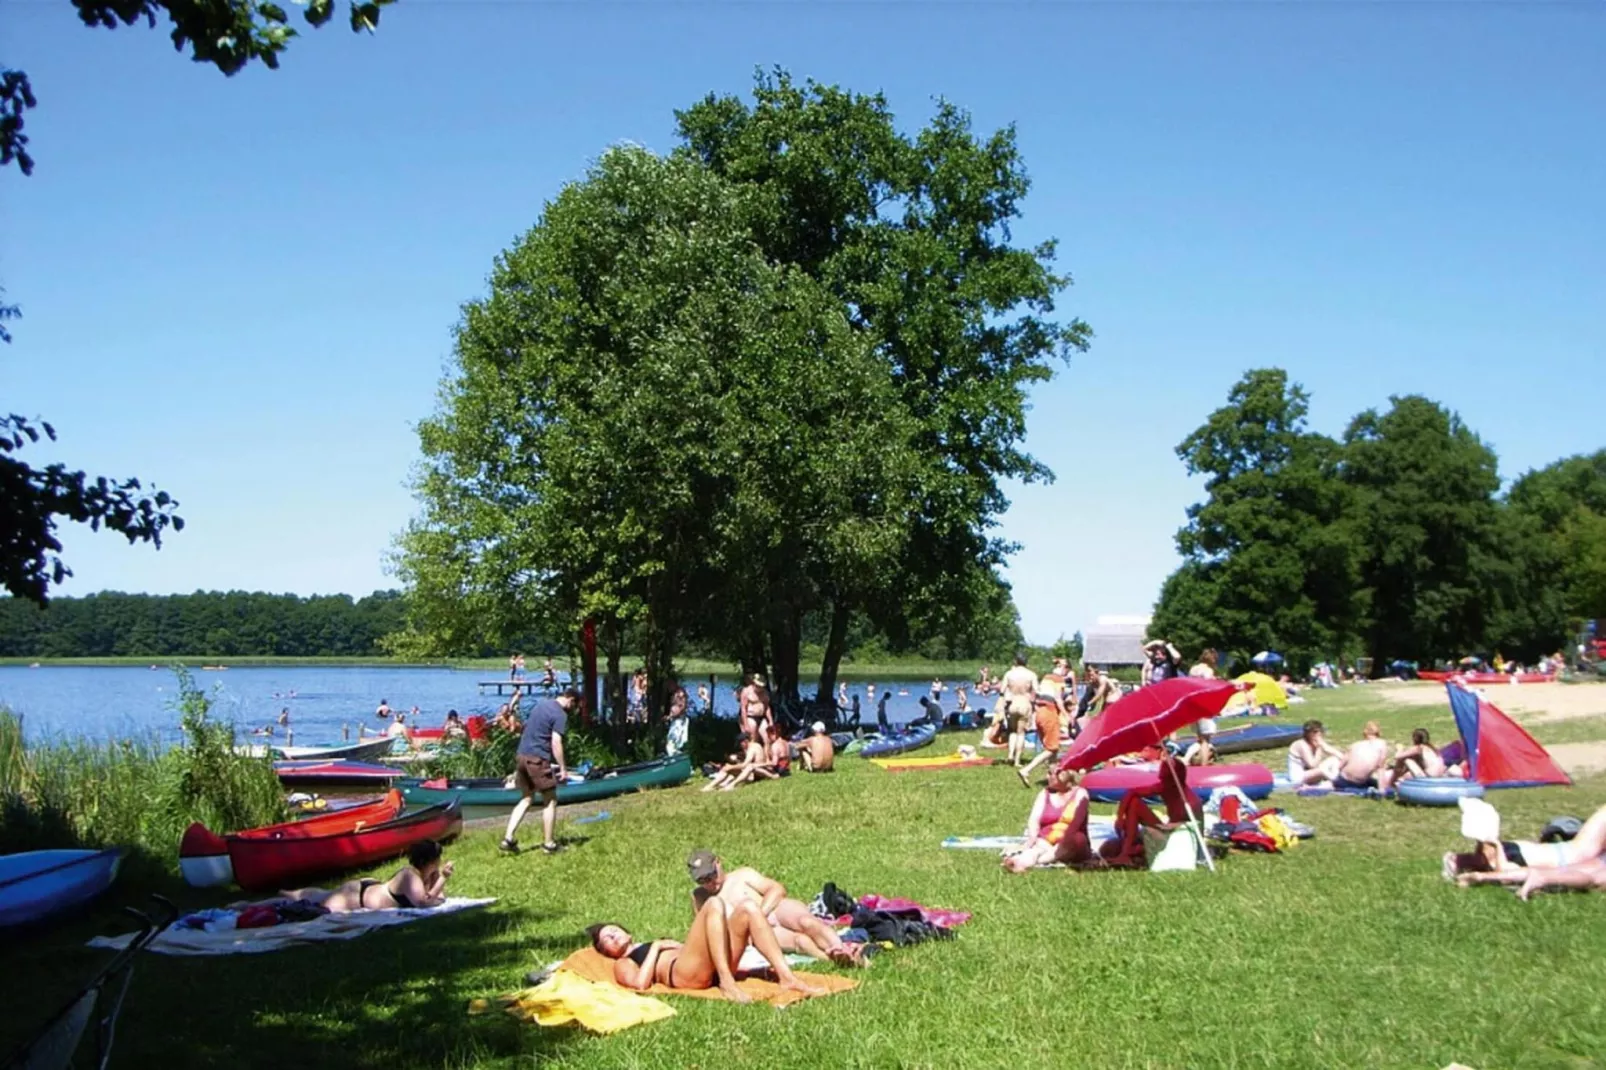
x: 133, y: 702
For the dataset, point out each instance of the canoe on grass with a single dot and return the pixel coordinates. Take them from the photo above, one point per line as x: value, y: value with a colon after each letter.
x: 206, y: 859
x: 291, y: 860
x: 37, y: 885
x: 908, y: 740
x: 333, y: 774
x: 598, y: 784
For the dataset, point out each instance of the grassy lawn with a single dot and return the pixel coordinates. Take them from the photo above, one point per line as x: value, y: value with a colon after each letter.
x: 1348, y: 951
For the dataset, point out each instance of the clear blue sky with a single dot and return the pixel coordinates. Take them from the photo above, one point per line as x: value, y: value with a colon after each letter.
x: 244, y: 288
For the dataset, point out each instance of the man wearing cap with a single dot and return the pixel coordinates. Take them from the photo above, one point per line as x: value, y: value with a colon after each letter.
x: 795, y: 928
x: 817, y: 751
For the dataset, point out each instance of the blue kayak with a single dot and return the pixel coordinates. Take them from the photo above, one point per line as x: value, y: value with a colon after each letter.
x: 909, y: 739
x: 1240, y: 740
x: 35, y: 885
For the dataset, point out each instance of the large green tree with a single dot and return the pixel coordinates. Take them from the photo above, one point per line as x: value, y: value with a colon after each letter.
x: 229, y: 34
x: 910, y: 235
x: 1434, y: 564
x: 652, y: 425
x: 1564, y: 507
x: 1270, y: 555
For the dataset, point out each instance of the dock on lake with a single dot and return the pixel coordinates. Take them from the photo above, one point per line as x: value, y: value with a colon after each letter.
x: 513, y: 687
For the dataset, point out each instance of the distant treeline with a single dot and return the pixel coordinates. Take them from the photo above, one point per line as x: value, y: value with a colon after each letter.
x: 206, y: 623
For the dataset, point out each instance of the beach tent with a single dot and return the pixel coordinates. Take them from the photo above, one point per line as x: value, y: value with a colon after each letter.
x: 1265, y: 690
x: 1501, y: 753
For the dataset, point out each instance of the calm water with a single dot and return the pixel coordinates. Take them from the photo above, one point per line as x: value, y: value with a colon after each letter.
x: 103, y: 703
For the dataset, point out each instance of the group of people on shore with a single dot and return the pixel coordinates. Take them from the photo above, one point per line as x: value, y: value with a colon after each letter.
x: 1366, y: 764
x: 766, y: 753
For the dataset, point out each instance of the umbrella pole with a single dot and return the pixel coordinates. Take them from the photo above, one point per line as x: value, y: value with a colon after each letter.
x: 1204, y: 846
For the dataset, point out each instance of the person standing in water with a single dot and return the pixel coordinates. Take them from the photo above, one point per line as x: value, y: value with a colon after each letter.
x: 541, y: 767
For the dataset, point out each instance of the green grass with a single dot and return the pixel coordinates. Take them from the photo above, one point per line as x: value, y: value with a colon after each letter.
x: 1348, y: 951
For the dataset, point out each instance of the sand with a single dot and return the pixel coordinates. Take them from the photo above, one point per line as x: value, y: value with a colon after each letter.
x: 1529, y: 704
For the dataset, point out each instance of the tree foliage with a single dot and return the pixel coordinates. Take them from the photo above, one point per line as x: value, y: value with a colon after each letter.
x: 1269, y: 558
x: 777, y: 379
x: 1393, y: 543
x: 206, y: 623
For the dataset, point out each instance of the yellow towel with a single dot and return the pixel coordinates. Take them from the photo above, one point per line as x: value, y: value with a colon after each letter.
x: 567, y: 997
x: 946, y: 761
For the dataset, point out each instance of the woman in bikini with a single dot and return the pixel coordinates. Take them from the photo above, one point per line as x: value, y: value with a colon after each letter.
x: 1138, y: 830
x: 1421, y: 758
x: 1578, y: 863
x: 707, y: 958
x: 420, y: 883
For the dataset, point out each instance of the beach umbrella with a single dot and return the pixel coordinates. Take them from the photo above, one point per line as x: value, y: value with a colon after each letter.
x: 1267, y: 657
x: 1265, y: 690
x: 1145, y: 717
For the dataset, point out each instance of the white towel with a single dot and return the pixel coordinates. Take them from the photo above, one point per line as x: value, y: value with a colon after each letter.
x: 289, y: 934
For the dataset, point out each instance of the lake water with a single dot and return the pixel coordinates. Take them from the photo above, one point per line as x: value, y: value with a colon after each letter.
x: 133, y: 702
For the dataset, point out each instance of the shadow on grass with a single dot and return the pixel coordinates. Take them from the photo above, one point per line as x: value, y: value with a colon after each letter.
x: 393, y: 998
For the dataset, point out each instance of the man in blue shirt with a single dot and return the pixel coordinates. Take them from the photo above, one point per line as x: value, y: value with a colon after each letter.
x: 541, y: 767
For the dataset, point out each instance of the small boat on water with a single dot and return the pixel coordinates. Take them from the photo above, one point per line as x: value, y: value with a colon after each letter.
x: 207, y: 859
x: 334, y: 774
x: 366, y: 751
x: 598, y: 784
x: 38, y: 885
x: 907, y: 740
x: 286, y: 860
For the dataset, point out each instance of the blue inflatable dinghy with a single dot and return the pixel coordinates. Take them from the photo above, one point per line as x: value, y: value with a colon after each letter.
x: 908, y: 740
x: 1436, y: 790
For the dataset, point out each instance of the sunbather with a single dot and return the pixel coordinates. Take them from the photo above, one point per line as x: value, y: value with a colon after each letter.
x: 420, y: 883
x: 1363, y: 761
x: 1576, y: 863
x: 1137, y: 834
x: 796, y: 928
x: 1044, y: 825
x: 731, y: 773
x: 706, y: 959
x: 1421, y: 758
x: 1312, y: 761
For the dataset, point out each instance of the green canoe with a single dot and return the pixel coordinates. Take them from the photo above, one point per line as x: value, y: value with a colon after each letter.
x: 598, y: 784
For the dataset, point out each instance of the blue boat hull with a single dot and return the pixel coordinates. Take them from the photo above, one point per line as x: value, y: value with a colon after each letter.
x: 37, y: 885
x: 914, y: 739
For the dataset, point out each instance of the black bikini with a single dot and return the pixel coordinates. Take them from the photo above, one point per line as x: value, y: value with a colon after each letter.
x: 368, y: 882
x: 638, y: 955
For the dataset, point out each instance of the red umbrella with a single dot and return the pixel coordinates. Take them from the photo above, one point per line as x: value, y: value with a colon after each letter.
x: 1145, y: 717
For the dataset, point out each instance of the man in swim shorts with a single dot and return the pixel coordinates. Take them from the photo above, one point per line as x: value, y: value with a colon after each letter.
x: 795, y: 927
x: 1365, y: 758
x: 1019, y: 693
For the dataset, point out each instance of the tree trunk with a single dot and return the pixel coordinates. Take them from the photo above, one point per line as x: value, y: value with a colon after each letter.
x: 786, y: 637
x: 660, y: 655
x: 835, y: 647
x: 614, y: 697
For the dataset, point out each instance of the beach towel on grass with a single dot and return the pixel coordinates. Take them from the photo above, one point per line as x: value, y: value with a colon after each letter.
x: 290, y: 934
x: 594, y: 966
x: 1099, y: 829
x: 946, y: 761
x: 600, y: 1006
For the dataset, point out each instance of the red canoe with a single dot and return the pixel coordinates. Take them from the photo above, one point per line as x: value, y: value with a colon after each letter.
x: 475, y: 726
x: 203, y: 855
x: 1113, y: 781
x: 1490, y: 677
x: 286, y: 861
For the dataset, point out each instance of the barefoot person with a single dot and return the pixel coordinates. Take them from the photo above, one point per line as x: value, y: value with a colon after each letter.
x: 1049, y: 714
x: 796, y: 929
x: 1421, y: 758
x: 1576, y: 863
x: 1312, y: 761
x: 706, y: 959
x: 817, y: 752
x: 541, y: 767
x: 420, y: 883
x: 1364, y: 760
x: 1019, y: 691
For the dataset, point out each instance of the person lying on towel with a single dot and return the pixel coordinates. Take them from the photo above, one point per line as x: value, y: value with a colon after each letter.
x: 1576, y: 863
x: 420, y: 883
x: 796, y: 928
x: 1057, y: 830
x: 706, y: 959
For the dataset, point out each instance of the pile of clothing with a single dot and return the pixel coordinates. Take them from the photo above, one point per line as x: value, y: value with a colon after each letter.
x: 876, y: 921
x: 253, y: 916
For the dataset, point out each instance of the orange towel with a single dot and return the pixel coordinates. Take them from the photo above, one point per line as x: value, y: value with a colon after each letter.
x: 594, y: 966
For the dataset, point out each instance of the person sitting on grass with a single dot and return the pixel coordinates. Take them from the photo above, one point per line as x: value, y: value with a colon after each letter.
x: 1420, y: 759
x: 1363, y: 761
x: 796, y: 928
x: 1578, y: 863
x: 1044, y: 827
x: 1312, y: 761
x: 751, y: 764
x: 706, y: 959
x: 995, y: 735
x: 420, y: 883
x: 818, y: 753
x: 1139, y: 833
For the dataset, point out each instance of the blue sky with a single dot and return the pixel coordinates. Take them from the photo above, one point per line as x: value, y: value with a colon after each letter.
x: 244, y: 288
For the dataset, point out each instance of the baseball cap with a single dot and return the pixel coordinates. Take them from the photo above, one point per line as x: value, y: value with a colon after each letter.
x: 702, y: 864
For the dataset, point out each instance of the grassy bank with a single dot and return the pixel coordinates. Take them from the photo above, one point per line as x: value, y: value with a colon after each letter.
x: 1348, y: 951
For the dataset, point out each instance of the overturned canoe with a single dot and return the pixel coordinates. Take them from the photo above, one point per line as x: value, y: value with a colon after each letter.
x: 38, y: 885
